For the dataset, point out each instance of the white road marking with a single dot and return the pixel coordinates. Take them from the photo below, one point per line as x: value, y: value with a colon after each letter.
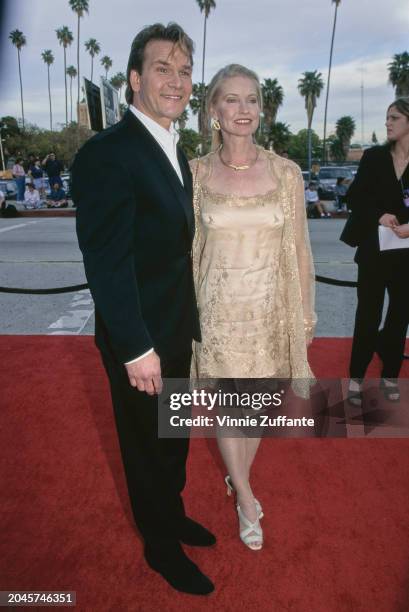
x: 11, y: 227
x: 74, y: 321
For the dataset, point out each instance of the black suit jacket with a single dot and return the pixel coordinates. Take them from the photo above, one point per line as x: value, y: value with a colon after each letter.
x: 135, y: 227
x: 374, y: 192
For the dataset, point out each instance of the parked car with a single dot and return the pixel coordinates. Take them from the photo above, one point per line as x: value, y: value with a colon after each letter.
x: 354, y: 169
x: 327, y: 179
x: 305, y: 178
x: 8, y: 187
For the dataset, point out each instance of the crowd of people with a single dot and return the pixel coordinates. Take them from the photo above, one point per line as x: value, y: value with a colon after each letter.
x: 32, y: 193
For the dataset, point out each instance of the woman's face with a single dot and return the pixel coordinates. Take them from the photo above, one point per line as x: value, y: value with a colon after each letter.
x: 236, y: 107
x: 397, y: 124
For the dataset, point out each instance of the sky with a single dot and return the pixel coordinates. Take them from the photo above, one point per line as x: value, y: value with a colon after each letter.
x: 277, y: 39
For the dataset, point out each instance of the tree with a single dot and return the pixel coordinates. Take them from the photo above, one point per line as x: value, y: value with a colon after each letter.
x: 199, y: 92
x: 64, y: 143
x: 310, y: 87
x: 106, y: 62
x: 189, y: 141
x: 48, y: 58
x: 273, y: 96
x: 337, y: 3
x: 19, y: 41
x: 335, y: 148
x: 399, y: 74
x: 93, y: 47
x: 374, y: 138
x: 345, y: 129
x: 65, y: 39
x: 299, y: 143
x: 118, y: 81
x: 80, y: 7
x: 279, y: 136
x: 205, y: 7
x: 182, y: 120
x: 72, y: 73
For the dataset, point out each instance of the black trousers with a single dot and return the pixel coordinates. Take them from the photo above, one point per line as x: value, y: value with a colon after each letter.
x: 154, y: 467
x: 387, y: 271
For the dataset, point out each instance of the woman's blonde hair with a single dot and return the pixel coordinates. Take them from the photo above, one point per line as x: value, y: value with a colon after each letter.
x: 232, y: 70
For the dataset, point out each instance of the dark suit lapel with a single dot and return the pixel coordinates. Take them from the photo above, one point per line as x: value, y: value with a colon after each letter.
x: 153, y: 149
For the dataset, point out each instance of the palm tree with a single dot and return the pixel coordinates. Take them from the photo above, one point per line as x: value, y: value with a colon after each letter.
x: 205, y: 7
x: 93, y: 47
x: 399, y: 74
x: 19, y: 40
x: 310, y: 87
x: 345, y: 129
x: 182, y: 119
x: 273, y: 96
x: 80, y: 7
x: 72, y: 73
x: 337, y: 3
x: 196, y: 104
x: 65, y: 38
x: 48, y: 58
x: 118, y: 81
x: 279, y: 136
x: 107, y: 64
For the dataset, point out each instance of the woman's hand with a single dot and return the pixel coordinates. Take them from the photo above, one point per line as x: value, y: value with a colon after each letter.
x: 402, y: 231
x: 388, y: 220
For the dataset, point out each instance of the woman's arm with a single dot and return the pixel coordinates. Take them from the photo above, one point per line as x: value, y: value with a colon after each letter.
x: 304, y: 258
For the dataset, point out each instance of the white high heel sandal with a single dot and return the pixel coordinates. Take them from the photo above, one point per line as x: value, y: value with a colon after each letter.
x: 231, y: 490
x: 250, y: 533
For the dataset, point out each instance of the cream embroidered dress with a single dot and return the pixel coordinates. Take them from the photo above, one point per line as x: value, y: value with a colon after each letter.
x: 254, y: 277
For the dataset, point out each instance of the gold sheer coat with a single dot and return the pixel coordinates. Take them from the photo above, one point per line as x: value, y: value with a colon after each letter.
x: 295, y: 266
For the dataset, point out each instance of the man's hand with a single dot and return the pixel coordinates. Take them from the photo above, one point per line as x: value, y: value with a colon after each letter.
x: 388, y: 220
x: 145, y: 374
x: 402, y: 230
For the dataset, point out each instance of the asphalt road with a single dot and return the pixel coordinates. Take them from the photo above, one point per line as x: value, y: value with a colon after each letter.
x: 43, y: 253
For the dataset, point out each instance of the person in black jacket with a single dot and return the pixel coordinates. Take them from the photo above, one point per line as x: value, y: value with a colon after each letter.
x: 379, y: 197
x: 133, y: 190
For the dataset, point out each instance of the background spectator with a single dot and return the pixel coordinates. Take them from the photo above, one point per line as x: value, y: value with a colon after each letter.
x: 20, y: 179
x: 314, y: 205
x: 29, y: 163
x: 36, y: 172
x: 31, y: 197
x: 53, y: 168
x: 341, y: 189
x: 57, y: 197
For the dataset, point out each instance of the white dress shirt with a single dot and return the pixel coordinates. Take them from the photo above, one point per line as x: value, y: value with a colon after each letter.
x: 168, y: 140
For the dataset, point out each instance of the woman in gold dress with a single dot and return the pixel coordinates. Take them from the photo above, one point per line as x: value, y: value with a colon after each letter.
x: 253, y: 267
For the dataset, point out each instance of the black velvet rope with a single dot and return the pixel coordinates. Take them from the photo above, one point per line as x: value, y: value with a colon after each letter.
x: 54, y: 290
x: 43, y: 291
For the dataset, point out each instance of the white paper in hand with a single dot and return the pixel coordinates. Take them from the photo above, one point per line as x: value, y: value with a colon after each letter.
x: 389, y: 240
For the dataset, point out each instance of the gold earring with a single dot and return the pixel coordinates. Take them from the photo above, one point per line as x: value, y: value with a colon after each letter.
x: 216, y: 125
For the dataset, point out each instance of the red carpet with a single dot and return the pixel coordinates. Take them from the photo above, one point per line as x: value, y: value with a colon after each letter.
x: 336, y: 526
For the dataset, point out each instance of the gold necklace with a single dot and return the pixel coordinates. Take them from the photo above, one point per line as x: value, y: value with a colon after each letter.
x: 237, y: 168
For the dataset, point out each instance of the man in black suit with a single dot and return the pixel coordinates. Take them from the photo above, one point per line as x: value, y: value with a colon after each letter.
x: 133, y: 190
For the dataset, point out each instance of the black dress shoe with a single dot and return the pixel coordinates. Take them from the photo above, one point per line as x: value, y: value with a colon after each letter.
x: 194, y: 534
x: 178, y: 570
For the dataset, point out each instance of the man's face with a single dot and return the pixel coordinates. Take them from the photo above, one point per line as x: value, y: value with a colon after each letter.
x: 163, y: 89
